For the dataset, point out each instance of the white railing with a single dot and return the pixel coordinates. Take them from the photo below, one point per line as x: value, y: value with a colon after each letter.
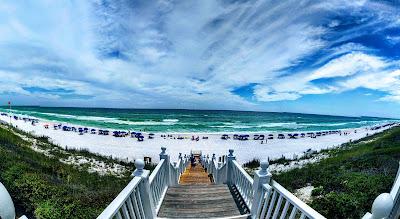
x: 159, y: 183
x: 222, y: 170
x: 277, y: 202
x: 217, y: 169
x: 264, y: 197
x: 143, y: 196
x: 243, y: 182
x: 132, y: 201
x: 177, y: 169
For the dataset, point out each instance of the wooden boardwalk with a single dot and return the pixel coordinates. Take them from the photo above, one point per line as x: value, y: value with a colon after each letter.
x: 196, y: 175
x: 197, y: 197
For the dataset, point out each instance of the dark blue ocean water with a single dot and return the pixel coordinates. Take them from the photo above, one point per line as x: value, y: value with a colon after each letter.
x: 157, y: 120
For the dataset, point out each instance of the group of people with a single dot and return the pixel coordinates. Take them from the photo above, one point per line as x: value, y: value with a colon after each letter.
x: 263, y: 138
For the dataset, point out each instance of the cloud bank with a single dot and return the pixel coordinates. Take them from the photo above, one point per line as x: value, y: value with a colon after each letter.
x: 196, y: 54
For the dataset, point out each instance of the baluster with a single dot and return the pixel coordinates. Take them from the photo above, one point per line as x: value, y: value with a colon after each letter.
x: 130, y: 207
x: 278, y: 207
x: 135, y: 204
x: 125, y: 211
x: 260, y: 204
x: 272, y: 205
x: 118, y: 215
x: 266, y: 202
x: 285, y: 209
x: 293, y: 213
x: 140, y: 204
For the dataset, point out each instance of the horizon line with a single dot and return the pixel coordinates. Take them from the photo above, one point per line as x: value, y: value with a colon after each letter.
x: 186, y: 109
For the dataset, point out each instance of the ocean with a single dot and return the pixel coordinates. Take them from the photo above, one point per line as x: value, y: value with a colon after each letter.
x: 203, y: 121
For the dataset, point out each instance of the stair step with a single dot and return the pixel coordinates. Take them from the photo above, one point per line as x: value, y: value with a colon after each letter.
x: 199, y: 214
x: 189, y: 197
x: 198, y: 190
x: 190, y: 216
x: 196, y: 197
x: 203, y: 201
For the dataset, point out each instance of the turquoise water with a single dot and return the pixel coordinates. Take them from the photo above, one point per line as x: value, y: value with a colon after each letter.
x: 155, y: 120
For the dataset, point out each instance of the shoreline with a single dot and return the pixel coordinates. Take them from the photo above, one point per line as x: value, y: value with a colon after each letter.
x: 127, y: 148
x: 273, y: 127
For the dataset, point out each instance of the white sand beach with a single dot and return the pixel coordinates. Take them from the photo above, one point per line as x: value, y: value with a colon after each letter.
x: 130, y: 148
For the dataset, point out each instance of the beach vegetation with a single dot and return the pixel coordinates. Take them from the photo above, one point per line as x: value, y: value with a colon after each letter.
x: 44, y: 187
x: 351, y: 177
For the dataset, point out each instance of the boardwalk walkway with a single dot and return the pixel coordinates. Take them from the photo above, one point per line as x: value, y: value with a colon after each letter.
x: 198, y: 197
x: 196, y: 175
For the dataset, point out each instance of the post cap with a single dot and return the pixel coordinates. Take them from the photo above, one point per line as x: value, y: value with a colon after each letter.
x: 231, y: 152
x: 7, y: 209
x: 163, y: 149
x: 382, y: 206
x: 264, y: 166
x: 139, y: 164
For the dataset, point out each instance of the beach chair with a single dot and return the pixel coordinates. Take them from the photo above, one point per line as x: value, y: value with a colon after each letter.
x: 256, y: 137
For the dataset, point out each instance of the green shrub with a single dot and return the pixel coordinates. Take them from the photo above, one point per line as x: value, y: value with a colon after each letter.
x: 43, y: 187
x: 347, y: 183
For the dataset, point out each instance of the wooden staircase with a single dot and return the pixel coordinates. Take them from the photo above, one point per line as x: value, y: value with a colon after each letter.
x: 198, y: 201
x: 195, y: 175
x: 198, y: 197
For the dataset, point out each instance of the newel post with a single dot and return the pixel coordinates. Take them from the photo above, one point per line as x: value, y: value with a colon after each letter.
x: 164, y: 156
x: 229, y: 164
x: 144, y: 188
x: 181, y: 163
x: 214, y: 169
x: 7, y: 210
x: 208, y: 163
x: 387, y: 205
x: 381, y: 207
x: 261, y: 176
x: 175, y: 174
x: 212, y: 163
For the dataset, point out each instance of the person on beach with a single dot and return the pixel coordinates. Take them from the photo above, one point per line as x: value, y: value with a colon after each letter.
x: 192, y: 161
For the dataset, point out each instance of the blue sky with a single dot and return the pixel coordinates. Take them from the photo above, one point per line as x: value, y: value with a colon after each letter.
x: 328, y: 57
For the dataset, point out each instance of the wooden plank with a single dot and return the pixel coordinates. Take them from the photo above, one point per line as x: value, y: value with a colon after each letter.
x: 205, y: 205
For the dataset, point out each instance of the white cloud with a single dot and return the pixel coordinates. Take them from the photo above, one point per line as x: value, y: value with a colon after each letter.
x: 348, y: 65
x: 268, y: 94
x: 351, y: 71
x: 186, y: 54
x: 393, y: 39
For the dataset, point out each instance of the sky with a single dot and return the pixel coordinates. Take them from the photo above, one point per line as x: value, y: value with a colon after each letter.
x: 327, y: 57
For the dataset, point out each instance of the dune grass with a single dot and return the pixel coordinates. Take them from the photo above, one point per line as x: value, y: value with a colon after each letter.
x: 44, y: 187
x: 349, y: 180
